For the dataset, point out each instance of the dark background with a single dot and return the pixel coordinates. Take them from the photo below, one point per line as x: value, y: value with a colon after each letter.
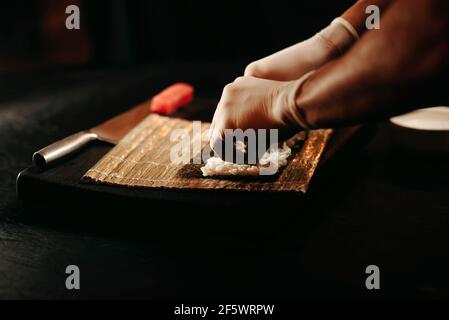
x: 120, y: 32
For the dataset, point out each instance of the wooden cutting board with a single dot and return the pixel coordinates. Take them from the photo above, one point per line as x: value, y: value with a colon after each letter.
x: 61, y: 189
x: 143, y: 159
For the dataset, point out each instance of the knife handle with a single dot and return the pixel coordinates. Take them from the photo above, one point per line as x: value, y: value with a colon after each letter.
x: 62, y: 148
x: 172, y: 98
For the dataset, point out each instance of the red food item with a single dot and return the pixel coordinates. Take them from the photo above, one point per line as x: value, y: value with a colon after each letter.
x: 172, y: 98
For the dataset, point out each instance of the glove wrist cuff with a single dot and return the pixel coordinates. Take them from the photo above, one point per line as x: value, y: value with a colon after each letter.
x: 348, y: 26
x: 294, y: 115
x: 339, y: 35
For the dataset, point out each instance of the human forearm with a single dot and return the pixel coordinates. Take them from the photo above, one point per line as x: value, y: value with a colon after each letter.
x: 387, y: 72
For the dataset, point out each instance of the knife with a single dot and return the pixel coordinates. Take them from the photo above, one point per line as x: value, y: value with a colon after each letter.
x: 114, y: 129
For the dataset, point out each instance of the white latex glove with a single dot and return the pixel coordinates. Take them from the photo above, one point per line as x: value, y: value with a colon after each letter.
x: 254, y: 103
x: 295, y: 61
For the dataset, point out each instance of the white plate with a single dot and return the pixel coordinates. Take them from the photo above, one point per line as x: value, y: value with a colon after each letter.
x: 423, y: 132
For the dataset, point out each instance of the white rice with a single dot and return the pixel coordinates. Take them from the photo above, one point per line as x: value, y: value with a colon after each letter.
x: 216, y: 166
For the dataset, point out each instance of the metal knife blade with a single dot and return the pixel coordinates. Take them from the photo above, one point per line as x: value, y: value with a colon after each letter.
x: 114, y: 129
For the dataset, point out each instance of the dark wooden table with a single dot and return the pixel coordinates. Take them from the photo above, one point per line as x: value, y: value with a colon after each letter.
x: 372, y: 205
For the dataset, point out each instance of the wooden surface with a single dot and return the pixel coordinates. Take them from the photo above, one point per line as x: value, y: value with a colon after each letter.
x: 62, y: 182
x: 142, y: 159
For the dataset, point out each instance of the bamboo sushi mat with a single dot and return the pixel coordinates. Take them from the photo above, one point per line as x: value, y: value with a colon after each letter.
x: 142, y: 159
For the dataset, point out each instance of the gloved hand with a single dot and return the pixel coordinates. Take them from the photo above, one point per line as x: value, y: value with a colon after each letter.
x: 295, y: 61
x: 253, y: 103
